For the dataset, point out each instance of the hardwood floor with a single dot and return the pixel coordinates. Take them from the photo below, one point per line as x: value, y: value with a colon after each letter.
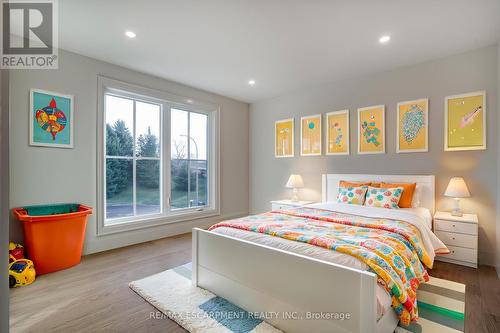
x: 94, y: 296
x: 482, y: 294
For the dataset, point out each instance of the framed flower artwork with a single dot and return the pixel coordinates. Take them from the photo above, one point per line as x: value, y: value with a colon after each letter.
x: 371, y: 130
x: 413, y: 126
x: 284, y: 138
x: 337, y: 133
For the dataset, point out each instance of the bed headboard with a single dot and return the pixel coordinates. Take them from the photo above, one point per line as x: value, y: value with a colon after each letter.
x: 425, y: 185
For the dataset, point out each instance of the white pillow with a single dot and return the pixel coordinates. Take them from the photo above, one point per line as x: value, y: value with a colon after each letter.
x: 383, y: 197
x: 415, y: 202
x: 352, y: 195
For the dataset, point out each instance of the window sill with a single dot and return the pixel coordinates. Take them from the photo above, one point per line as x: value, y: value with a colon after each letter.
x: 155, y: 220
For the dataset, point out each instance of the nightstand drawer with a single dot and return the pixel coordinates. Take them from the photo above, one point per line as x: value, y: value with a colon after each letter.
x: 462, y: 240
x: 288, y: 204
x: 461, y: 254
x: 280, y: 207
x: 452, y: 226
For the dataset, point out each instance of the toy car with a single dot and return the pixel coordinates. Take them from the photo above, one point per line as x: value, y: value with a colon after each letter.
x: 16, y: 251
x: 21, y: 273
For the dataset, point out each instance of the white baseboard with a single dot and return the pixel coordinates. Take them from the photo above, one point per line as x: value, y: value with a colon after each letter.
x: 113, y: 241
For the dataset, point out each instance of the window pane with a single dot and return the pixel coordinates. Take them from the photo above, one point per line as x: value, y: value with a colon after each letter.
x: 179, y: 181
x: 119, y: 126
x: 179, y: 154
x: 198, y: 183
x: 119, y: 192
x: 147, y: 124
x: 148, y: 187
x: 198, y: 133
x: 179, y: 134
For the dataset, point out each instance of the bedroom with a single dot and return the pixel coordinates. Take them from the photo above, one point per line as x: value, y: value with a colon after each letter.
x: 222, y: 110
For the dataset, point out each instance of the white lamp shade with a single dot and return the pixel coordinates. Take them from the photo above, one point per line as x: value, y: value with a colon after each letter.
x: 295, y: 181
x: 457, y: 188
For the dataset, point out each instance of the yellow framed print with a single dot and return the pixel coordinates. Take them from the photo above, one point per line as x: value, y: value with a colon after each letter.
x: 337, y: 133
x: 413, y: 126
x: 284, y: 138
x: 371, y: 130
x: 465, y: 122
x: 310, y: 135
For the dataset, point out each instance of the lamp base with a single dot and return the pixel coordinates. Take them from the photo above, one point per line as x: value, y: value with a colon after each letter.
x: 295, y: 196
x: 456, y: 209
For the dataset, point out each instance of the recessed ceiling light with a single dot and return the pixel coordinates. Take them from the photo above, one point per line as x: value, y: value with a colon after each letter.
x: 130, y: 34
x: 190, y: 101
x: 384, y: 39
x: 251, y: 82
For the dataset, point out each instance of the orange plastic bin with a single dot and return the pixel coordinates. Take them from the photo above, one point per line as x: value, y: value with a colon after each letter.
x: 53, y: 234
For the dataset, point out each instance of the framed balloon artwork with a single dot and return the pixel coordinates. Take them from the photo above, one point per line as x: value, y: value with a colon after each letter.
x: 51, y: 119
x: 465, y: 122
x: 310, y: 135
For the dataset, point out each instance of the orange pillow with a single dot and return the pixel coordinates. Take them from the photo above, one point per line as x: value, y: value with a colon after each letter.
x: 345, y: 184
x: 377, y: 185
x: 408, y: 191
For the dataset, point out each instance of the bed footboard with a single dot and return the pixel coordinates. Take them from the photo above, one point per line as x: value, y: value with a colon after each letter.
x: 295, y: 292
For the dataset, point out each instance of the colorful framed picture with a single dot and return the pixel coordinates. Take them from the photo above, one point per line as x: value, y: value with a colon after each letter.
x: 310, y: 135
x: 413, y: 126
x: 284, y: 138
x: 51, y: 119
x: 337, y: 133
x: 465, y: 122
x: 371, y: 130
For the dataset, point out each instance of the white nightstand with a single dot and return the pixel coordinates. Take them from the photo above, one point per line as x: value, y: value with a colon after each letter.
x: 287, y: 204
x: 459, y: 233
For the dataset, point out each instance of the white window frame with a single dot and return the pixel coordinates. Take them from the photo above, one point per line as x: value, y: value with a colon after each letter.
x: 167, y: 101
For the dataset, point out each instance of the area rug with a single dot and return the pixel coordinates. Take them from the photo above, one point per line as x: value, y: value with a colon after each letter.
x: 196, y: 309
x: 441, y: 306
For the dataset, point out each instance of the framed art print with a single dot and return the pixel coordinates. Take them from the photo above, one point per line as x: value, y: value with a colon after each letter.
x: 310, y: 135
x: 51, y: 119
x: 413, y: 126
x: 371, y: 130
x: 465, y: 122
x: 337, y: 133
x: 284, y: 138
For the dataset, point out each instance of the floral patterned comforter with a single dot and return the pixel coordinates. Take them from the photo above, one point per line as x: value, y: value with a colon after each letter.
x: 392, y: 249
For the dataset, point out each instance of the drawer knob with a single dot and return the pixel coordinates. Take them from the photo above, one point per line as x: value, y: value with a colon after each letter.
x: 452, y: 251
x: 453, y: 238
x: 453, y: 225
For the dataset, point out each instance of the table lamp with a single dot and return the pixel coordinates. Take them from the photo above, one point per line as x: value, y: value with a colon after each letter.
x: 295, y: 182
x: 457, y: 189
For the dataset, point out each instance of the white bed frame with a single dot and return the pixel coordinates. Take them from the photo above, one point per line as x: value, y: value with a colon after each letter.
x: 262, y: 279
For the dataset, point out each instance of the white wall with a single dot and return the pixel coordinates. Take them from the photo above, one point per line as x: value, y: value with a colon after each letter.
x: 4, y: 199
x: 48, y: 175
x: 472, y: 71
x: 498, y: 164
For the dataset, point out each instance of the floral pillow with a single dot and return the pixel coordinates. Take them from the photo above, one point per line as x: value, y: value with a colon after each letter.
x: 383, y: 197
x: 352, y: 195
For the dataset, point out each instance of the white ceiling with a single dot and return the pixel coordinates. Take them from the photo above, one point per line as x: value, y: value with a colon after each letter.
x: 284, y: 45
